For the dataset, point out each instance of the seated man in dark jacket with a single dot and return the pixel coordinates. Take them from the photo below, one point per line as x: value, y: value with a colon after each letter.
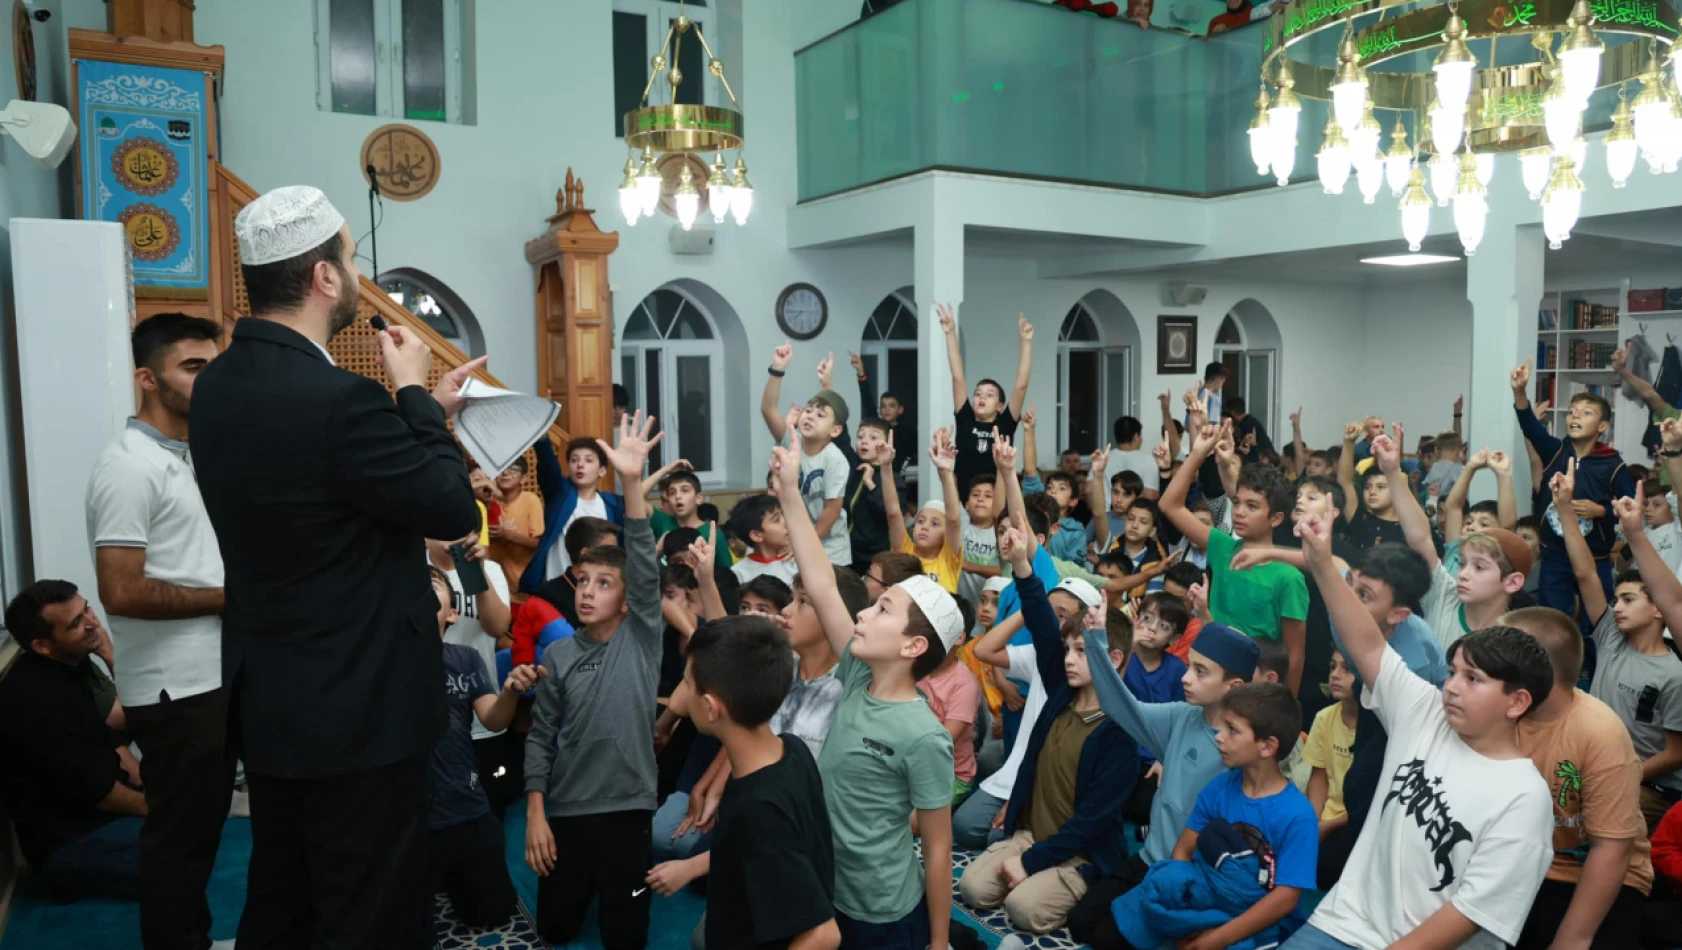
x: 77, y: 811
x: 1063, y: 822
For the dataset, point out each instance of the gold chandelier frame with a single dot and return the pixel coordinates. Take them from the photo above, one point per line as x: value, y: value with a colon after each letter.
x: 684, y: 128
x: 1506, y: 102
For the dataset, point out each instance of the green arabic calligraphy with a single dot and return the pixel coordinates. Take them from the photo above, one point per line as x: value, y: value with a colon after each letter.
x: 1382, y: 41
x: 1317, y: 11
x: 1521, y: 13
x: 1516, y: 105
x: 1630, y: 13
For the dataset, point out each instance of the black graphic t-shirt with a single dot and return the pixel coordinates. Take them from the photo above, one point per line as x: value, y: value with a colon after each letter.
x: 1447, y: 825
x: 974, y: 441
x: 457, y: 795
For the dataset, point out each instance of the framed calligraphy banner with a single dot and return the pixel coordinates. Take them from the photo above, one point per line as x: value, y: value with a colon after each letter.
x: 144, y: 154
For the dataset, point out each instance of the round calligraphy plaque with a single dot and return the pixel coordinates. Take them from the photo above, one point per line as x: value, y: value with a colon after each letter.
x: 145, y: 166
x: 152, y: 232
x: 405, y: 161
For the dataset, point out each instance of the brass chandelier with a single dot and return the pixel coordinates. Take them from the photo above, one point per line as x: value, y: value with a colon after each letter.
x: 1468, y: 109
x: 672, y: 128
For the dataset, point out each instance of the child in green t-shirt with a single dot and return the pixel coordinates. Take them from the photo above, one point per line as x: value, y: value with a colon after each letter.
x: 682, y: 498
x: 1268, y: 601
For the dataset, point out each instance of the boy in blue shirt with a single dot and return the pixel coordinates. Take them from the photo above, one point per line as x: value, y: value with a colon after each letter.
x: 464, y: 841
x: 1182, y: 737
x: 1249, y: 848
x: 567, y: 495
x: 1154, y: 676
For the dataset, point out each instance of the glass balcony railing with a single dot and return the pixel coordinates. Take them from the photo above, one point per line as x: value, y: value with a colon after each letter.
x: 1015, y: 87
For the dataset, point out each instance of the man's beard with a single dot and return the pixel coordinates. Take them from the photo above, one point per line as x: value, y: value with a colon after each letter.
x: 173, y: 399
x: 344, y: 309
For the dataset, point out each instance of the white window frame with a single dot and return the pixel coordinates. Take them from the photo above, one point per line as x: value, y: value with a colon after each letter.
x: 658, y: 15
x: 631, y: 355
x: 879, y: 350
x: 388, y: 59
x: 1265, y: 410
x: 1106, y: 386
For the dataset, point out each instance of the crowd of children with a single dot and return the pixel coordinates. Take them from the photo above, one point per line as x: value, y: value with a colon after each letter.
x: 1160, y: 706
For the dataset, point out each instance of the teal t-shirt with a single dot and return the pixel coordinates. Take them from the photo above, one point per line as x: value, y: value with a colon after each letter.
x: 662, y: 523
x: 1256, y: 600
x: 881, y: 761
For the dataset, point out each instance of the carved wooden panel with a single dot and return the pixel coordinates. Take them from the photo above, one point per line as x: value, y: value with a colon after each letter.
x: 589, y: 294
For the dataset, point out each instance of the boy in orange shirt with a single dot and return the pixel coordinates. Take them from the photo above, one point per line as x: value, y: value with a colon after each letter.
x: 515, y: 536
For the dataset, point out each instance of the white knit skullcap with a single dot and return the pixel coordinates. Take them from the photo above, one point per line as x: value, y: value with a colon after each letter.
x: 1080, y: 590
x: 995, y: 585
x: 937, y: 606
x: 934, y: 504
x: 284, y: 223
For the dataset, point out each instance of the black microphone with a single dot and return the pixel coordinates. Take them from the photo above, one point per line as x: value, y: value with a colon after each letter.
x: 378, y: 323
x: 373, y: 179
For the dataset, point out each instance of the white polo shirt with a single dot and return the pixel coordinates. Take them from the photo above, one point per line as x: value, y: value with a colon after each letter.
x: 143, y: 494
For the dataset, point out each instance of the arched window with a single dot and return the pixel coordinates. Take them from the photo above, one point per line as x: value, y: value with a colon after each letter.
x: 889, y: 353
x: 671, y: 360
x: 437, y: 306
x: 1247, y: 344
x: 1093, y: 385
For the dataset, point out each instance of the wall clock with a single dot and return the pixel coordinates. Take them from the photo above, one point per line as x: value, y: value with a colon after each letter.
x: 405, y: 161
x: 802, y: 312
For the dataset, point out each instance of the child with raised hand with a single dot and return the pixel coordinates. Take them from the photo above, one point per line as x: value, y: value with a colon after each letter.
x: 1370, y: 508
x: 936, y: 539
x: 1461, y: 840
x: 886, y: 756
x: 590, y: 770
x: 567, y: 497
x: 1269, y: 600
x: 980, y: 413
x: 1182, y: 737
x: 1331, y: 747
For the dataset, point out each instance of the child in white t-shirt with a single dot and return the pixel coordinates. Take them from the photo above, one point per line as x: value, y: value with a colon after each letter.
x: 1461, y: 833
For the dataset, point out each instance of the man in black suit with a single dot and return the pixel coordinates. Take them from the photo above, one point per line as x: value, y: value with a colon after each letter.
x: 321, y: 489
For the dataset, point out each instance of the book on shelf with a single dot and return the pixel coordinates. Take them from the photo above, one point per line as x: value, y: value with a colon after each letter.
x: 1582, y: 354
x: 1547, y: 356
x: 1548, y: 320
x: 1590, y: 316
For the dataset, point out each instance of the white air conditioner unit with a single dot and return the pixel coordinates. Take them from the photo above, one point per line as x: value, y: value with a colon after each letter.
x: 697, y: 240
x: 1178, y: 294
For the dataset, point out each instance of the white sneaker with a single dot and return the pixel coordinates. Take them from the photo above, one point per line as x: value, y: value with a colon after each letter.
x: 221, y: 945
x: 238, y: 807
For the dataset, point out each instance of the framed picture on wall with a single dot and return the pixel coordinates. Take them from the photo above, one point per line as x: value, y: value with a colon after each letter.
x: 1176, y: 344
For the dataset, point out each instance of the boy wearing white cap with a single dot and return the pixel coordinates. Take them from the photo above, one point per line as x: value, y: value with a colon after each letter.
x: 936, y: 539
x: 886, y: 754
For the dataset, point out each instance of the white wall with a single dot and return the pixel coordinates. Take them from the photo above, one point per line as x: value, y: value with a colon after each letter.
x: 1416, y: 356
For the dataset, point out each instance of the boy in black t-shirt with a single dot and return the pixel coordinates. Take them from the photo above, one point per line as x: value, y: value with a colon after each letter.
x: 464, y: 843
x: 978, y: 415
x: 772, y: 882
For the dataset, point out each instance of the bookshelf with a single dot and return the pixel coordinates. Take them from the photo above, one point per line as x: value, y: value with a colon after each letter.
x: 1576, y: 333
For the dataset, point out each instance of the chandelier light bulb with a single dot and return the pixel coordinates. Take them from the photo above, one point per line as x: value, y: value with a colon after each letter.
x: 1369, y: 175
x: 688, y: 199
x: 1471, y: 207
x: 1445, y: 171
x: 1621, y: 150
x: 1454, y: 66
x: 1283, y: 114
x: 1349, y: 86
x: 1485, y: 162
x: 1561, y: 203
x: 630, y: 202
x: 718, y: 190
x: 1562, y: 116
x: 1261, y: 142
x: 1533, y: 166
x: 1363, y: 141
x: 1579, y: 55
x: 648, y: 184
x: 1651, y: 110
x: 1448, y: 123
x: 1332, y: 161
x: 1398, y: 161
x: 1416, y: 210
x: 1284, y: 160
x: 741, y: 193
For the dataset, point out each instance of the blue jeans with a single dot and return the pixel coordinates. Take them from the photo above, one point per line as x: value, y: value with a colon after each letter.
x: 1312, y: 938
x: 105, y: 862
x: 910, y: 932
x: 972, y: 823
x: 666, y: 820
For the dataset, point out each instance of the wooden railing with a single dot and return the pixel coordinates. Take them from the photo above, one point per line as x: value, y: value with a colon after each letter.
x: 354, y: 348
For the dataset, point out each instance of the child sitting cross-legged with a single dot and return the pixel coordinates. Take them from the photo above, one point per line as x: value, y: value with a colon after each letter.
x: 1331, y: 747
x: 1249, y: 848
x: 1462, y: 834
x: 1182, y: 737
x: 936, y: 539
x: 954, y: 695
x: 887, y: 759
x: 1063, y: 821
x: 1154, y: 676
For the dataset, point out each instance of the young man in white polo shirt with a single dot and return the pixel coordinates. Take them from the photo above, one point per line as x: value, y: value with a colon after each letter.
x: 160, y: 580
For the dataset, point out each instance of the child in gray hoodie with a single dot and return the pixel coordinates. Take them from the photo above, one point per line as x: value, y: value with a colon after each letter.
x: 590, y: 772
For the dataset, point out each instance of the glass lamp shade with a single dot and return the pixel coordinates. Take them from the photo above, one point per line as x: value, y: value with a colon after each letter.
x: 1398, y: 161
x: 1363, y: 140
x: 687, y: 199
x: 741, y: 193
x: 1284, y: 159
x: 1416, y: 210
x: 1670, y: 145
x: 1562, y: 116
x: 1562, y: 203
x: 1261, y: 146
x: 648, y: 189
x: 1485, y: 167
x: 1471, y: 208
x: 1283, y: 114
x: 1332, y: 161
x: 1533, y: 165
x: 630, y: 202
x: 1621, y: 153
x: 718, y: 192
x: 1369, y: 175
x: 1651, y: 111
x: 1454, y: 66
x: 1444, y: 173
x: 1448, y: 124
x: 1580, y: 67
x: 1349, y: 102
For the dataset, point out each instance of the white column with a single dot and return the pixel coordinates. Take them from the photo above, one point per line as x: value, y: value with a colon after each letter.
x: 939, y: 278
x: 1504, y: 286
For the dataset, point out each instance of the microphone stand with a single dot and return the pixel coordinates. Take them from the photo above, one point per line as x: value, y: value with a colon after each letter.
x: 373, y: 223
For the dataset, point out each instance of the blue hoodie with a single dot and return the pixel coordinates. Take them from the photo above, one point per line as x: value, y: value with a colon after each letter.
x: 1601, y: 477
x: 560, y: 498
x: 1109, y: 759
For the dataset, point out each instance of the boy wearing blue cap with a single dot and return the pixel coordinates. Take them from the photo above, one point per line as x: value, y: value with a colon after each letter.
x: 1182, y: 737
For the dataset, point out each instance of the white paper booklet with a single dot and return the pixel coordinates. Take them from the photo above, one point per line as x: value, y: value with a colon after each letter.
x: 497, y: 426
